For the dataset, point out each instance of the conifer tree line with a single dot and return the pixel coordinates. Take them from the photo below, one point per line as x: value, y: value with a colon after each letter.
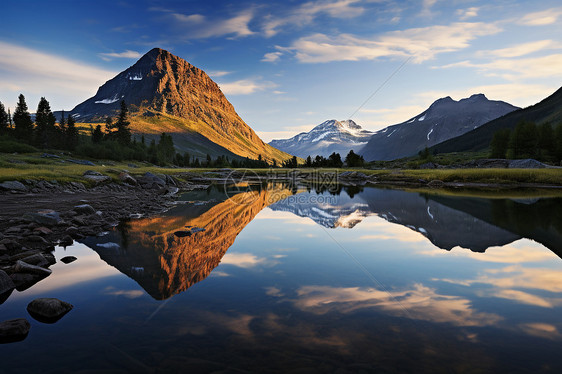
x: 528, y: 140
x: 114, y: 141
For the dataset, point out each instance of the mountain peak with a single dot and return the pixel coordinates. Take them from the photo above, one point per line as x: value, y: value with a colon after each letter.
x: 165, y: 93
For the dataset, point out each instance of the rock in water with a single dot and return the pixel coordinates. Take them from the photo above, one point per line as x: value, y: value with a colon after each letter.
x: 6, y: 283
x: 48, y: 310
x: 68, y: 259
x: 23, y: 267
x: 14, y: 330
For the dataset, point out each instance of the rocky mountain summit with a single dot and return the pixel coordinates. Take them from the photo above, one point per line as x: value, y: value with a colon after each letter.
x: 444, y: 119
x: 329, y: 136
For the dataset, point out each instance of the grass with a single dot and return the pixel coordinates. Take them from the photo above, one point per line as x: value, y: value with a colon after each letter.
x: 32, y: 166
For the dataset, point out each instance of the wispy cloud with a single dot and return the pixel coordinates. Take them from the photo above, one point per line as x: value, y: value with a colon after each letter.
x: 125, y: 54
x: 426, y: 8
x: 218, y: 74
x: 517, y: 69
x: 272, y: 56
x: 542, y: 18
x: 306, y: 13
x: 63, y: 81
x: 420, y: 43
x: 465, y: 14
x: 245, y: 86
x: 522, y: 49
x: 198, y: 26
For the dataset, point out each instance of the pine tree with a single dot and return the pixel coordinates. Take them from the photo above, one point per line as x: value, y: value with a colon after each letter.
x: 499, y: 144
x: 3, y: 120
x: 109, y: 128
x: 62, y: 123
x: 23, y: 125
x: 308, y: 162
x: 166, y: 149
x: 71, y: 134
x: 45, y: 132
x: 335, y: 160
x: 97, y: 135
x: 123, y: 133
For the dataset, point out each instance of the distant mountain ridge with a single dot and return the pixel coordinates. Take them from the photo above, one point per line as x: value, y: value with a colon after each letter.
x: 443, y: 120
x: 328, y: 137
x: 547, y: 110
x: 165, y: 93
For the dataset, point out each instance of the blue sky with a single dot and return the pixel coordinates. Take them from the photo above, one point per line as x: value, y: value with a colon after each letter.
x: 289, y: 65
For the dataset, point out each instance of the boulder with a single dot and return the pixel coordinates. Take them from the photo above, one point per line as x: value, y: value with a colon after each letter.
x: 126, y: 178
x: 14, y: 330
x: 44, y: 217
x: 24, y: 267
x: 36, y: 259
x: 92, y: 172
x: 97, y: 179
x: 42, y: 230
x: 13, y: 186
x: 6, y: 283
x: 24, y: 281
x: 66, y: 241
x: 68, y: 259
x: 48, y: 310
x: 84, y: 209
x: 82, y: 162
x: 151, y: 181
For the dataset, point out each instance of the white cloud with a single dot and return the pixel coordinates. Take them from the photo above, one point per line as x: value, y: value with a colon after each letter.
x: 218, y: 74
x: 62, y: 81
x: 420, y: 43
x: 420, y: 302
x: 517, y: 69
x: 126, y: 54
x: 197, y: 26
x: 306, y: 13
x: 426, y: 7
x: 245, y: 87
x: 243, y: 260
x: 522, y: 49
x: 465, y: 14
x: 542, y: 18
x: 272, y: 56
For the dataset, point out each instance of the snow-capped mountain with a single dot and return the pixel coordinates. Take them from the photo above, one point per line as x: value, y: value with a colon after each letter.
x: 328, y: 137
x: 445, y: 226
x: 443, y: 120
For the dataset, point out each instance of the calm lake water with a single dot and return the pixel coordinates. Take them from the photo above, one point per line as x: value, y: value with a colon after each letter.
x: 281, y: 280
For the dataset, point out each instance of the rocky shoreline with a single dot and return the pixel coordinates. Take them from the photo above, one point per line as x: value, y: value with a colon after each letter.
x: 39, y: 216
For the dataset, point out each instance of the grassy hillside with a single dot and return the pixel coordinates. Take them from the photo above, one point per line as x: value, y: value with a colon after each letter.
x: 548, y: 110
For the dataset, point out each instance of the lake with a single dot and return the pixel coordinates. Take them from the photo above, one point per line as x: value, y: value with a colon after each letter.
x: 285, y: 279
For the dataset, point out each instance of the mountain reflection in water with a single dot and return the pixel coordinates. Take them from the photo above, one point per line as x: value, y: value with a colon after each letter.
x: 164, y: 264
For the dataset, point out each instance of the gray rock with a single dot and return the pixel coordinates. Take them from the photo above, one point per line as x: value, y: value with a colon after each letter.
x: 14, y: 330
x: 66, y: 241
x: 49, y: 155
x: 68, y: 259
x: 48, y: 310
x: 13, y: 186
x: 44, y: 217
x: 428, y: 165
x: 37, y: 259
x: 126, y: 178
x: 353, y: 175
x: 132, y: 165
x: 6, y: 283
x: 151, y: 181
x: 82, y: 162
x: 528, y: 163
x: 92, y: 172
x: 23, y: 267
x: 436, y: 183
x: 23, y: 281
x: 84, y: 209
x: 97, y: 179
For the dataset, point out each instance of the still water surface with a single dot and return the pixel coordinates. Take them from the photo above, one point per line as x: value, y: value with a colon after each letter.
x: 294, y: 281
